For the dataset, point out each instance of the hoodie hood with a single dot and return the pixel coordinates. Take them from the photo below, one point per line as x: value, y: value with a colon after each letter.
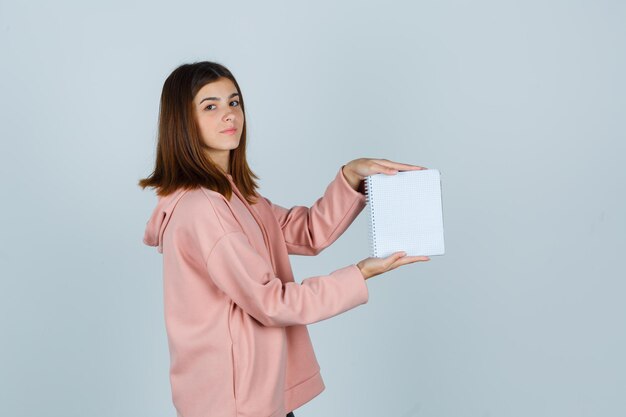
x: 157, y: 223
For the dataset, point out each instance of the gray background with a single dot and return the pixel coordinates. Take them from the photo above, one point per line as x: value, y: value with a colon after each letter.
x: 519, y: 104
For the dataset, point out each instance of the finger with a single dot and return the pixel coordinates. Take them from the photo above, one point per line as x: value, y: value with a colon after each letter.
x: 411, y: 259
x: 398, y: 166
x: 418, y: 258
x: 405, y: 261
x: 402, y: 254
x: 394, y: 257
x: 382, y: 168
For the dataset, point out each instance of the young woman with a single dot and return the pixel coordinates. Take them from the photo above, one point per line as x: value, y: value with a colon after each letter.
x: 235, y: 317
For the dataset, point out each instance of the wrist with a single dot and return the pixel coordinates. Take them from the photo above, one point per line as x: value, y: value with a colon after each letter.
x: 365, y: 277
x: 352, y: 179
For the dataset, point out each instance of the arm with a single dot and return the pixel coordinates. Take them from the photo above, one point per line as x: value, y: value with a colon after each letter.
x: 307, y: 231
x: 240, y: 272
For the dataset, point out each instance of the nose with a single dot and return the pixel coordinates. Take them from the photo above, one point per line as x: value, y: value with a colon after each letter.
x: 229, y: 117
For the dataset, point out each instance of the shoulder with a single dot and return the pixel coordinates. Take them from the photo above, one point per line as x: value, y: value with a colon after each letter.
x: 200, y: 219
x: 206, y: 209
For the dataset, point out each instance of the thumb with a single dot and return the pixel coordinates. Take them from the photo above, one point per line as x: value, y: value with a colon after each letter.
x: 396, y: 255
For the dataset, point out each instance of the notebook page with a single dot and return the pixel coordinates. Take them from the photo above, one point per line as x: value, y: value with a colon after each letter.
x: 405, y: 213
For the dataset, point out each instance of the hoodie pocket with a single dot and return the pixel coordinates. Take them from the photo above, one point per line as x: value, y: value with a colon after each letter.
x: 233, y: 329
x: 234, y: 367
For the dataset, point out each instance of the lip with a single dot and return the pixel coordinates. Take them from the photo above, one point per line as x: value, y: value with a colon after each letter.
x: 229, y: 131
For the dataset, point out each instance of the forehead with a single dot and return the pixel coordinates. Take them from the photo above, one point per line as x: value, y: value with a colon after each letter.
x: 221, y: 87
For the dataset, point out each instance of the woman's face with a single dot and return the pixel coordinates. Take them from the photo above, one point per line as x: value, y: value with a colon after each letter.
x: 217, y: 109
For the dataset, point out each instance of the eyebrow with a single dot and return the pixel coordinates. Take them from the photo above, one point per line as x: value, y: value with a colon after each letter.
x: 217, y: 98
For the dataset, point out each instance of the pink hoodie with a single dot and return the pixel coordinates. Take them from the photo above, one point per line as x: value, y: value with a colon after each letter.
x: 235, y: 318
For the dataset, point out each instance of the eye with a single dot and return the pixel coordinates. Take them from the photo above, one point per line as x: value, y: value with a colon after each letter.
x: 234, y: 101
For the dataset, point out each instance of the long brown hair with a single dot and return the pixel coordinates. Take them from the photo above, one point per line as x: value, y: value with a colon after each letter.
x: 180, y: 157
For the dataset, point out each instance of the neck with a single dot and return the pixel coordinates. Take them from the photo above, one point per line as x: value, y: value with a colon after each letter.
x: 221, y: 159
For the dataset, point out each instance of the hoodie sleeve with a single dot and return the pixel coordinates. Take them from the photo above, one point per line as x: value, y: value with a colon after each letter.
x: 246, y: 277
x: 308, y: 231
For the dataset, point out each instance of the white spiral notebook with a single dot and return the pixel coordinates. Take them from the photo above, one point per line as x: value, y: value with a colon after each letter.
x: 405, y: 213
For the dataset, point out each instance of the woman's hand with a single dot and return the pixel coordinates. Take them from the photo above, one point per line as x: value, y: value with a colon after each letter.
x: 370, y: 267
x: 355, y: 171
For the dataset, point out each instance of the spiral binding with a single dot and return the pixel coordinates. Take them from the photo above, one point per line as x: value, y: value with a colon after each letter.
x: 369, y: 198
